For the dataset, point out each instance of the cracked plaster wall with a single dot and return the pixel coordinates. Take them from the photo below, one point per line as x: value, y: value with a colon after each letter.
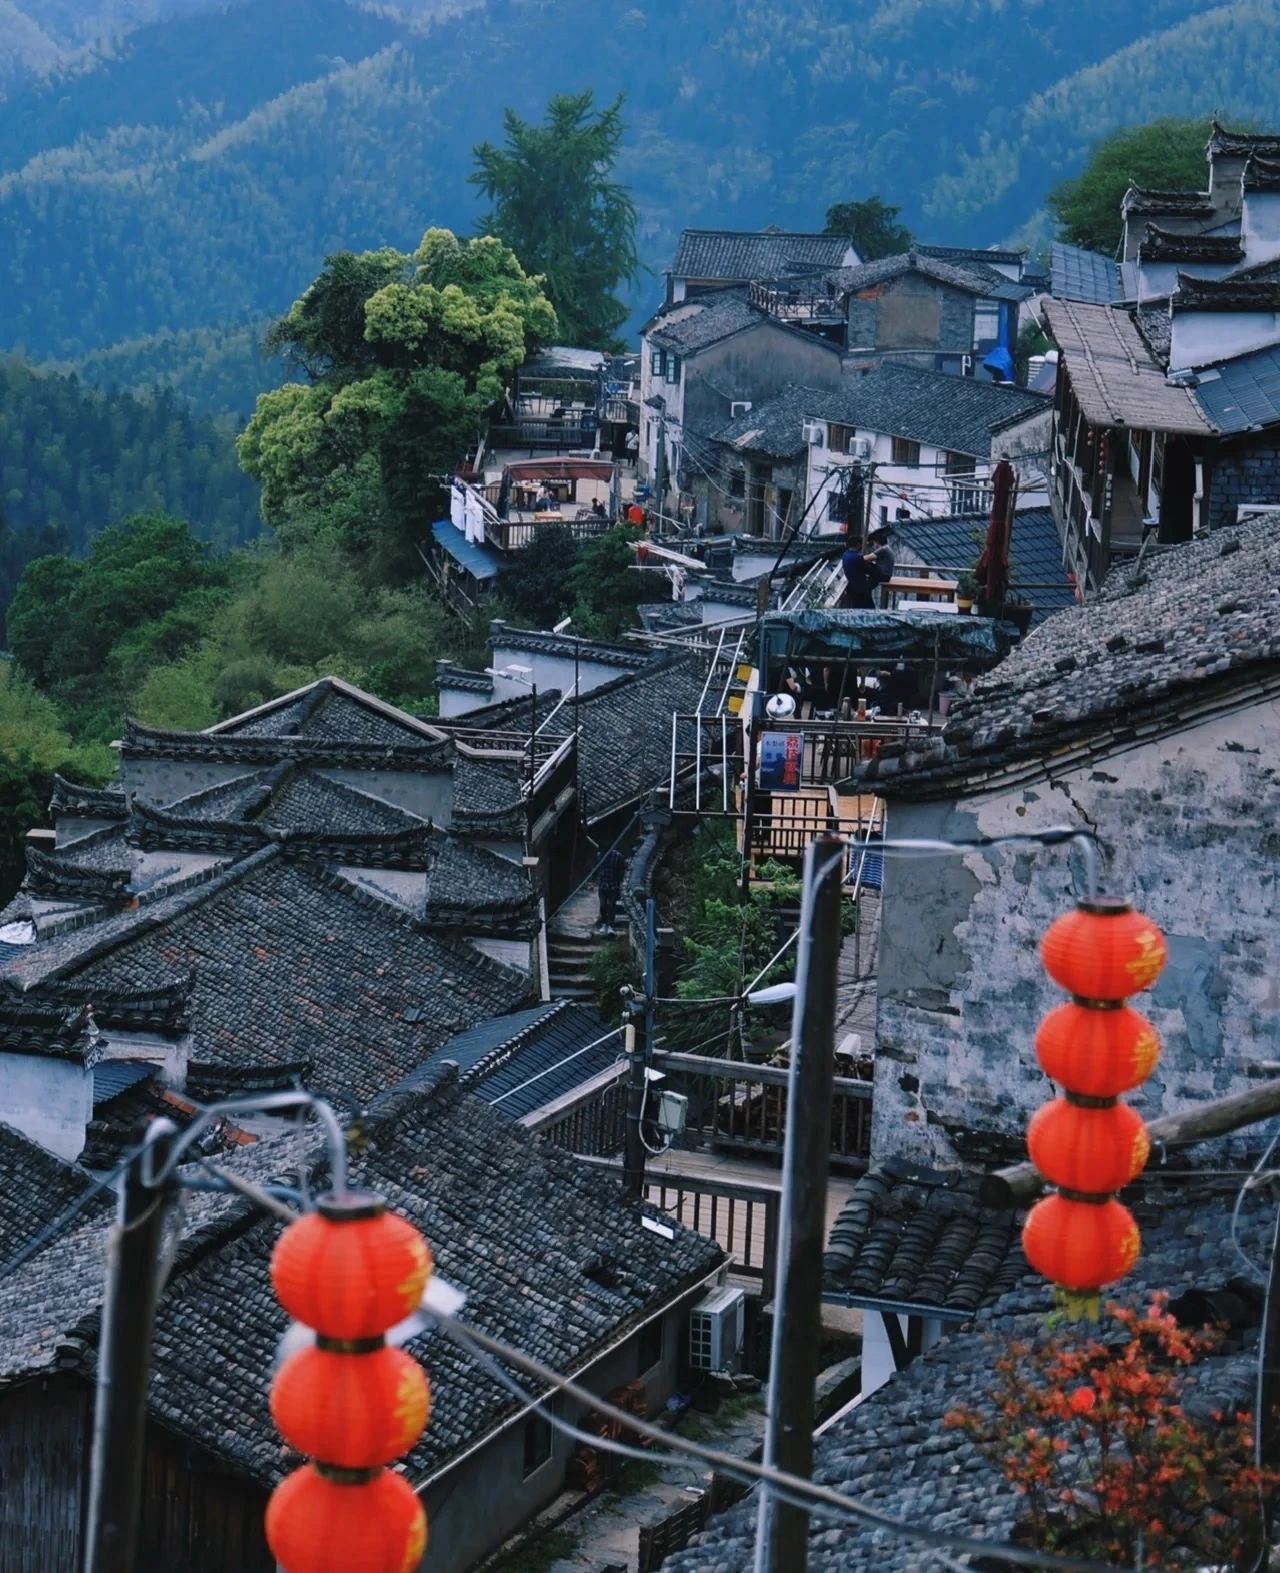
x: 1194, y: 823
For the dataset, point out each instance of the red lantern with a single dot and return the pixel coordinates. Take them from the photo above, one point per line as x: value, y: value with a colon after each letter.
x: 356, y: 1411
x: 1104, y: 950
x: 1095, y: 1151
x: 1097, y: 1053
x: 317, y: 1525
x: 1080, y: 1245
x: 351, y: 1269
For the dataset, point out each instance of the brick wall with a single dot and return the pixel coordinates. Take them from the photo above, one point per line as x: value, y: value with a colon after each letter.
x: 1193, y: 821
x: 911, y: 312
x: 1244, y: 473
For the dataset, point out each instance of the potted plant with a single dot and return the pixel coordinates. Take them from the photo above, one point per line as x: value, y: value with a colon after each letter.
x: 966, y: 592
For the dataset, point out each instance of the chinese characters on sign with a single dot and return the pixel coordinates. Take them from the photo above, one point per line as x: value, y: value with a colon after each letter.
x: 781, y: 760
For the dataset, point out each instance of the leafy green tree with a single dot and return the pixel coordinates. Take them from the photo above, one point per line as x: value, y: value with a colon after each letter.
x: 537, y: 584
x: 873, y: 227
x: 86, y: 629
x: 406, y: 354
x: 605, y: 585
x: 557, y: 206
x: 33, y: 745
x: 1166, y: 154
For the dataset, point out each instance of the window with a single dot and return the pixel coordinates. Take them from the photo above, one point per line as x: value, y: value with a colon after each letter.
x: 673, y: 368
x: 905, y: 451
x: 537, y: 1443
x: 986, y: 324
x: 839, y: 438
x: 838, y: 507
x: 657, y: 361
x: 737, y: 483
x: 884, y: 513
x: 650, y: 1346
x: 960, y: 464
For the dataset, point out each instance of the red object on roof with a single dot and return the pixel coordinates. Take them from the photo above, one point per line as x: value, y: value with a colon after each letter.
x: 993, y: 566
x: 560, y: 469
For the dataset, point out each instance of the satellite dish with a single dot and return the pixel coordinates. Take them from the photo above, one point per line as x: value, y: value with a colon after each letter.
x: 778, y: 707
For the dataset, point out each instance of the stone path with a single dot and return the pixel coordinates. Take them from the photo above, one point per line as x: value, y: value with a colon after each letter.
x: 610, y: 1526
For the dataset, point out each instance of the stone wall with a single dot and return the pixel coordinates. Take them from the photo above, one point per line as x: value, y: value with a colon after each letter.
x: 911, y: 313
x: 1244, y: 473
x: 1192, y: 819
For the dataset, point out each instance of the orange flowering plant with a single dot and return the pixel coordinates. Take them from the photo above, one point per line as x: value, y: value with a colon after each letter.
x: 1092, y: 1432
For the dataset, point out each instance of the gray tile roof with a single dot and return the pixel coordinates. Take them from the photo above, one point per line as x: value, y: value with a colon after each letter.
x: 772, y: 428
x: 1242, y: 394
x: 34, y: 1188
x: 1189, y: 204
x: 895, y: 1453
x: 1156, y: 328
x: 975, y: 278
x: 520, y: 1062
x: 329, y: 710
x: 627, y: 657
x: 547, y: 1252
x: 625, y: 742
x: 693, y: 324
x: 74, y: 800
x: 293, y: 972
x: 746, y: 255
x: 1164, y: 245
x: 1182, y: 632
x: 916, y: 1235
x: 955, y: 413
x: 307, y: 801
x: 1077, y: 274
x: 987, y: 254
x: 1241, y: 143
x: 956, y: 542
x: 1236, y: 292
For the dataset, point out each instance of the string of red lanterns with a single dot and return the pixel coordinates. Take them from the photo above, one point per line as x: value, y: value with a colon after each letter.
x: 350, y: 1271
x: 1087, y: 1143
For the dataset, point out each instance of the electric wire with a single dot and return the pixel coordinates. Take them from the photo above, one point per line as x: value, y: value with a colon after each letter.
x: 55, y: 1226
x: 803, y: 1493
x: 1255, y: 1178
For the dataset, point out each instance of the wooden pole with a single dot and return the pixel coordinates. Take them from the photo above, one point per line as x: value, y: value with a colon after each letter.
x: 782, y: 1538
x: 1021, y: 1183
x: 124, y: 1362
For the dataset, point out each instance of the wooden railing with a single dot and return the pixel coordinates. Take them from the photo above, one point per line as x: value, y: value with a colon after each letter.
x: 741, y: 1219
x: 513, y: 535
x: 590, y: 1120
x: 743, y: 1108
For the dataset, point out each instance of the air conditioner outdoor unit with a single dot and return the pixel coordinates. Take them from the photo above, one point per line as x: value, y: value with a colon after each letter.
x: 860, y: 448
x: 717, y: 1326
x: 812, y: 433
x: 739, y: 407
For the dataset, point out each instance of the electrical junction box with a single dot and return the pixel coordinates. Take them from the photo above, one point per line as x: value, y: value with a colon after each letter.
x: 671, y: 1109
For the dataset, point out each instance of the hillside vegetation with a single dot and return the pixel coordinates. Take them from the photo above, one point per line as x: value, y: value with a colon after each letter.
x: 73, y: 460
x: 188, y: 175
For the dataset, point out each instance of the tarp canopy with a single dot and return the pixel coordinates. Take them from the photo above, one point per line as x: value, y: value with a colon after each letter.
x: 880, y: 636
x: 478, y: 559
x: 560, y: 469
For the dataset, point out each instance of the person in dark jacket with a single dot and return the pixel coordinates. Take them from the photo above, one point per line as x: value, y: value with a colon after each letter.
x: 609, y: 885
x: 860, y: 577
x: 882, y: 554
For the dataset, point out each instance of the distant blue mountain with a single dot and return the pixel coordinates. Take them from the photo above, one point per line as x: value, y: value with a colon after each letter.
x: 194, y: 173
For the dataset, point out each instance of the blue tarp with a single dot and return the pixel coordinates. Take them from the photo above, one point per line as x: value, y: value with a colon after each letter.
x: 480, y: 561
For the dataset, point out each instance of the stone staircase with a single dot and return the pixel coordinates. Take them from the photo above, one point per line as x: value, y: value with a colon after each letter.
x: 569, y: 964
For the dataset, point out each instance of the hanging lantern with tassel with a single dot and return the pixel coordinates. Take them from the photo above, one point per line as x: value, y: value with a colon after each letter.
x: 350, y: 1271
x: 1087, y: 1143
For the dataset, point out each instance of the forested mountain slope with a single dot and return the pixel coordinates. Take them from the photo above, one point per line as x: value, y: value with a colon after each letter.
x: 73, y: 460
x: 193, y: 173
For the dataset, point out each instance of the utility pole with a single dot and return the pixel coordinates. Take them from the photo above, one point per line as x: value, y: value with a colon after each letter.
x: 782, y: 1536
x: 641, y: 1026
x: 124, y: 1359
